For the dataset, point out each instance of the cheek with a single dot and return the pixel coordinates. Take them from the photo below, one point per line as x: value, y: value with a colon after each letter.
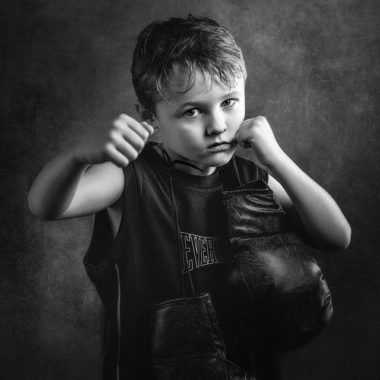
x: 242, y: 111
x: 191, y: 131
x: 181, y: 136
x: 237, y: 118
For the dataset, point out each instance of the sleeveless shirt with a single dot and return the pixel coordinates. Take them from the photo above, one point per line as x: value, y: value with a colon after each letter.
x: 171, y: 243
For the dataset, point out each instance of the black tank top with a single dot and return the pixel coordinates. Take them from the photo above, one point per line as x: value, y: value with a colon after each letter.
x: 171, y: 242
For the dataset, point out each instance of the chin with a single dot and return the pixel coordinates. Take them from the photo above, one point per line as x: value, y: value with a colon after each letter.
x: 219, y: 159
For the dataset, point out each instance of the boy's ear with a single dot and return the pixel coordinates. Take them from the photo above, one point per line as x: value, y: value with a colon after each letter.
x: 146, y: 115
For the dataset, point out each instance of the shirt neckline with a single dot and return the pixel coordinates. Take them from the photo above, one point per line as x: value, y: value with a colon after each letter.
x: 186, y: 179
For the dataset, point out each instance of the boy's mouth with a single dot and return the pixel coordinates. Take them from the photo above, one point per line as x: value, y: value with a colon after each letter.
x: 220, y: 146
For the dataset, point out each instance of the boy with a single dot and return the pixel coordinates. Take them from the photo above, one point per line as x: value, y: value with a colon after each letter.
x: 160, y: 225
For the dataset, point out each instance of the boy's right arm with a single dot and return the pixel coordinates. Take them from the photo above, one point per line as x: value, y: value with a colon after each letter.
x: 90, y: 177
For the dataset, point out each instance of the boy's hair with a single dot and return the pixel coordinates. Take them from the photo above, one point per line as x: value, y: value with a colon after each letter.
x: 192, y: 42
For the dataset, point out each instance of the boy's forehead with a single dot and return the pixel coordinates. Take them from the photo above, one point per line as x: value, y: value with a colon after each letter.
x: 181, y: 78
x: 184, y: 83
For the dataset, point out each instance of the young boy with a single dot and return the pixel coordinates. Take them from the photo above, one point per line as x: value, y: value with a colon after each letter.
x: 160, y: 225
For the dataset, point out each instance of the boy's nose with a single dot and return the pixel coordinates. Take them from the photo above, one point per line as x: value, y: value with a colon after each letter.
x: 216, y: 124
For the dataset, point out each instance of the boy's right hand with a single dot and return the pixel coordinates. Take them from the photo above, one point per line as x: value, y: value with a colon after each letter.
x: 121, y: 144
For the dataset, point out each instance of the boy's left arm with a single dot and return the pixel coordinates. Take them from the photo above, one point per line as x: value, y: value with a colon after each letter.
x: 319, y: 214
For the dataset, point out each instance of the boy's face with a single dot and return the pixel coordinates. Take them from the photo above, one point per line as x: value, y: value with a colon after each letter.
x: 199, y: 126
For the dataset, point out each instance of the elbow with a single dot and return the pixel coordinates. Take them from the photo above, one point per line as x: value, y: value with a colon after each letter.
x: 37, y: 209
x: 341, y: 239
x: 329, y: 241
x: 346, y: 236
x: 33, y: 206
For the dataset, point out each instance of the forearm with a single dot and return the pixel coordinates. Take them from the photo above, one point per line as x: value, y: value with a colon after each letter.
x: 320, y: 216
x: 55, y: 186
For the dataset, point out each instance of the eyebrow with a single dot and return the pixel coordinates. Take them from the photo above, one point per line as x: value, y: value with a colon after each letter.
x: 196, y: 104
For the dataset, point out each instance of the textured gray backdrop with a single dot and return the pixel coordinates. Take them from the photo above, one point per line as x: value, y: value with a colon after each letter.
x: 313, y: 72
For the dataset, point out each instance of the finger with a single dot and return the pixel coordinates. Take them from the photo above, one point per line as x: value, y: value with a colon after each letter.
x: 141, y: 130
x: 246, y: 142
x: 244, y: 138
x: 113, y: 155
x: 248, y: 154
x: 260, y: 119
x: 124, y: 147
x: 247, y: 123
x: 124, y: 131
x: 148, y: 127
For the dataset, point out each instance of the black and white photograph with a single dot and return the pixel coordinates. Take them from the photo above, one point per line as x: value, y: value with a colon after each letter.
x: 190, y: 190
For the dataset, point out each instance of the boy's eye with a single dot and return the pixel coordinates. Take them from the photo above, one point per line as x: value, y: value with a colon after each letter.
x: 229, y: 102
x: 193, y: 112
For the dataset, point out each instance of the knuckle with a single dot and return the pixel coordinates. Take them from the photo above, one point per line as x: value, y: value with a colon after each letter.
x: 247, y: 123
x: 135, y: 154
x: 261, y: 119
x: 123, y: 162
x: 117, y: 122
x: 108, y: 148
x: 144, y: 134
x: 148, y: 128
x: 112, y: 135
x: 125, y: 118
x: 139, y: 144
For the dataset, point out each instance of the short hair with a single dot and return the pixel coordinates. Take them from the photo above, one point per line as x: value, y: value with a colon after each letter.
x: 192, y: 42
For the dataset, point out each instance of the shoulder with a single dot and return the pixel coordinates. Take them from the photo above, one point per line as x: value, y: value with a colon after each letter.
x: 147, y: 157
x: 147, y: 169
x: 149, y: 164
x: 109, y: 181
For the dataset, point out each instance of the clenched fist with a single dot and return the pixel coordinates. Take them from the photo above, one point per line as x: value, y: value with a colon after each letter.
x: 121, y: 144
x: 256, y: 142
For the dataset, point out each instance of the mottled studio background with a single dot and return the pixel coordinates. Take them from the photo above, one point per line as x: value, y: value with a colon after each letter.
x: 313, y: 72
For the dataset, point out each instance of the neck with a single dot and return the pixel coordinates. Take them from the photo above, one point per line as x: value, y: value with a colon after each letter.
x: 184, y: 165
